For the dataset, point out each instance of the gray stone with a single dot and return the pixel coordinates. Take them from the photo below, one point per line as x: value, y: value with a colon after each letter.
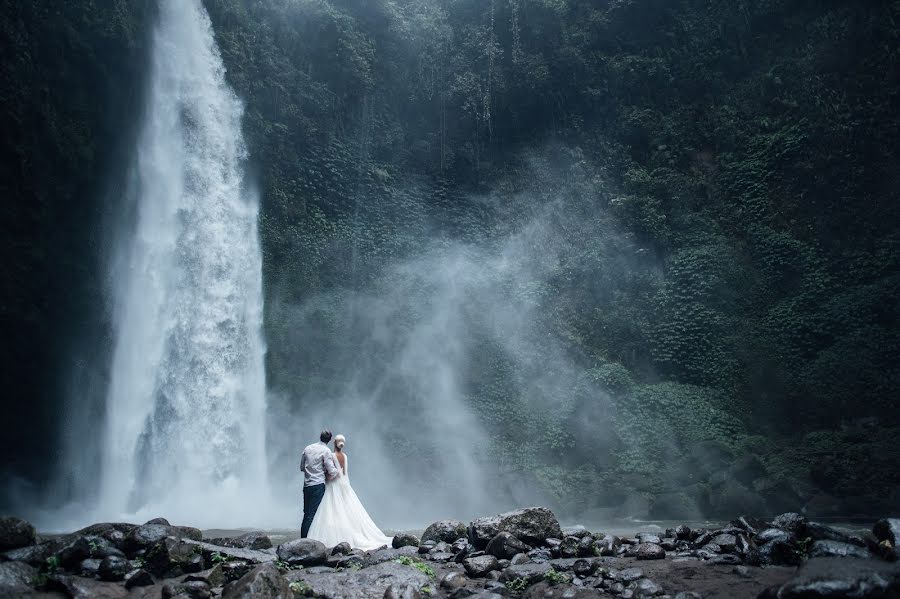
x: 262, y: 582
x: 113, y: 568
x: 504, y: 546
x: 368, y: 583
x: 87, y: 588
x: 791, y: 522
x: 888, y: 531
x: 402, y: 591
x: 530, y: 525
x: 250, y: 540
x: 453, y: 580
x: 476, y: 567
x: 303, y: 552
x: 840, y: 577
x: 650, y: 551
x: 629, y: 575
x: 138, y: 578
x: 519, y: 558
x: 342, y: 549
x: 405, y: 540
x: 531, y: 572
x: 15, y: 578
x: 445, y: 530
x: 838, y: 549
x: 16, y: 533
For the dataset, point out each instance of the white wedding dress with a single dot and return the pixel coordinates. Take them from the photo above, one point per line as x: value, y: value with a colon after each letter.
x: 342, y: 517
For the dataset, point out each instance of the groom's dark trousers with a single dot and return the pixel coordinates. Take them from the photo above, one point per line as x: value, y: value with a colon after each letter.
x: 312, y: 497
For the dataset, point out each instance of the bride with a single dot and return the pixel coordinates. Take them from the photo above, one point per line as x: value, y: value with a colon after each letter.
x: 341, y: 516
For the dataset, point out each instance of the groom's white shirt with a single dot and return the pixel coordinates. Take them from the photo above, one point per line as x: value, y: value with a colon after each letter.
x: 318, y: 464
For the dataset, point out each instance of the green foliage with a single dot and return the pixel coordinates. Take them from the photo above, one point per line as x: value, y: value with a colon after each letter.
x: 219, y: 558
x: 301, y: 588
x: 416, y: 563
x: 517, y: 586
x: 556, y: 577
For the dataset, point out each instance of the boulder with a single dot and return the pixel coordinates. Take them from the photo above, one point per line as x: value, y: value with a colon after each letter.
x: 791, y: 522
x: 840, y: 577
x: 89, y: 568
x: 402, y: 591
x: 445, y: 530
x: 726, y: 542
x: 113, y: 568
x: 453, y: 580
x: 195, y: 589
x: 569, y: 547
x: 368, y: 583
x: 650, y: 551
x: 405, y: 540
x: 138, y: 578
x: 75, y: 549
x: 173, y: 557
x: 888, y: 531
x: 250, y: 540
x: 262, y: 582
x: 162, y: 521
x: 607, y: 546
x: 477, y: 567
x: 16, y: 533
x: 530, y: 525
x: 303, y: 552
x: 16, y: 578
x: 586, y: 546
x: 343, y: 548
x: 838, y: 549
x: 254, y: 556
x: 823, y: 532
x: 506, y: 546
x: 531, y: 572
x: 86, y: 588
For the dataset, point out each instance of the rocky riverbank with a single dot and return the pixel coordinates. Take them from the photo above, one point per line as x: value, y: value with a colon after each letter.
x: 524, y: 553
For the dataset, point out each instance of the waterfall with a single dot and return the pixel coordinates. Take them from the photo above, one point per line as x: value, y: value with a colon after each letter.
x: 185, y: 411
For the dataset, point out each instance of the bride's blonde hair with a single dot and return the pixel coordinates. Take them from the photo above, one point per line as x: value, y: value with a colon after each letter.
x: 339, y: 441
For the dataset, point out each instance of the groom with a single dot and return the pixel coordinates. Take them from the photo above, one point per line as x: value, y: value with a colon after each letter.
x: 317, y: 464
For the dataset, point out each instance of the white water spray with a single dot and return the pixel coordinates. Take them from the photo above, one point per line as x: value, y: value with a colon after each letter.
x: 185, y: 426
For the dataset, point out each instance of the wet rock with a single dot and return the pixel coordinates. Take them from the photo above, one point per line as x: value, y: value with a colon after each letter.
x: 402, y: 591
x: 703, y: 538
x: 445, y: 530
x: 776, y: 552
x: 888, y: 531
x: 254, y: 556
x: 683, y: 532
x: 520, y: 558
x: 650, y: 551
x: 648, y: 537
x: 441, y: 557
x: 726, y: 542
x: 87, y: 588
x: 405, y: 540
x: 462, y: 593
x: 173, y: 557
x: 586, y: 546
x: 629, y: 575
x: 569, y: 547
x: 476, y: 567
x: 688, y: 595
x: 530, y: 525
x: 840, y: 577
x: 453, y: 580
x: 302, y: 552
x: 838, y: 549
x: 368, y: 583
x: 607, y: 546
x: 75, y: 549
x: 575, y: 531
x: 16, y: 578
x: 235, y: 569
x: 742, y: 571
x: 89, y: 568
x: 262, y: 582
x: 791, y: 522
x: 193, y: 590
x: 341, y: 549
x: 16, y: 533
x: 113, y: 568
x: 161, y: 521
x: 727, y: 559
x: 530, y: 572
x: 379, y: 556
x: 214, y: 577
x: 644, y: 588
x: 504, y: 546
x: 584, y: 567
x: 773, y: 534
x: 250, y: 540
x: 138, y: 578
x: 748, y: 525
x: 426, y: 546
x: 822, y: 532
x: 540, y: 555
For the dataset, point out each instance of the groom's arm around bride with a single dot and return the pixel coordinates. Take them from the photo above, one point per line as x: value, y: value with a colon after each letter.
x: 318, y: 465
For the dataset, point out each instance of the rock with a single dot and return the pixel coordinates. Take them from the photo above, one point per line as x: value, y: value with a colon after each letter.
x: 254, y: 556
x: 214, y: 577
x: 89, y: 568
x: 16, y: 533
x: 250, y: 540
x: 838, y: 549
x: 648, y: 537
x: 742, y: 571
x: 773, y: 534
x: 726, y: 542
x: 790, y: 521
x: 727, y: 559
x: 173, y: 557
x: 822, y: 532
x: 453, y: 580
x: 531, y: 572
x: 262, y: 582
x: 569, y: 547
x: 530, y: 525
x: 405, y: 540
x: 462, y: 593
x: 342, y: 549
x: 776, y: 551
x: 445, y: 530
x: 235, y: 569
x: 138, y: 578
x: 402, y: 591
x: 194, y: 589
x: 629, y: 575
x: 34, y: 555
x: 368, y: 583
x: 586, y: 547
x: 16, y: 578
x: 683, y: 532
x: 441, y: 557
x: 607, y: 546
x: 303, y: 552
x: 645, y: 588
x: 426, y: 546
x: 504, y: 546
x: 540, y: 555
x: 519, y: 558
x: 476, y: 567
x: 840, y: 577
x: 888, y: 531
x: 650, y: 551
x: 87, y: 588
x: 584, y: 567
x: 113, y: 568
x: 162, y: 521
x: 75, y: 550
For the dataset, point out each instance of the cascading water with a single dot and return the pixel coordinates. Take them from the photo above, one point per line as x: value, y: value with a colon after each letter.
x: 185, y: 425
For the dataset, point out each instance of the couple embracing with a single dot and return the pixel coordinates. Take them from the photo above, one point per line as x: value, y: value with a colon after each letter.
x: 332, y: 513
